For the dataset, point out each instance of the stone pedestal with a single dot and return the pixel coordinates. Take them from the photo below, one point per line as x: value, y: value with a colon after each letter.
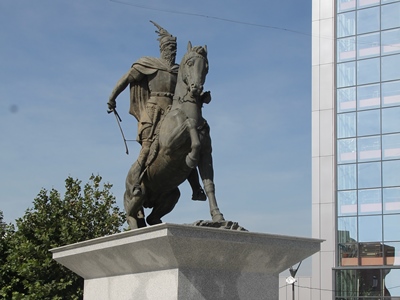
x: 184, y: 262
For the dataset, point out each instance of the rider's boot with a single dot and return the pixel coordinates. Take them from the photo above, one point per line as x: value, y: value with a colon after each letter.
x: 198, y: 192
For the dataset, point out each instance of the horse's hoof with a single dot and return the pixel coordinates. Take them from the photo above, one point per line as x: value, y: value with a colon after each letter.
x: 199, y: 195
x: 153, y: 221
x: 141, y: 223
x: 217, y: 216
x: 132, y: 223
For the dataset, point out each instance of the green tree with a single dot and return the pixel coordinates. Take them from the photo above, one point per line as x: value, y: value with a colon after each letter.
x: 84, y: 213
x: 2, y: 224
x: 6, y: 232
x: 3, y: 244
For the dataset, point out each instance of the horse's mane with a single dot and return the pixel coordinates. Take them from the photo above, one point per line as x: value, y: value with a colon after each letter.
x: 202, y: 51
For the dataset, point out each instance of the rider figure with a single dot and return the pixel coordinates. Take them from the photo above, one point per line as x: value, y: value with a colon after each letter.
x: 152, y: 84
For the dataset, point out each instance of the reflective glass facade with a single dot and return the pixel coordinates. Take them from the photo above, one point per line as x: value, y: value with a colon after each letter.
x: 367, y: 141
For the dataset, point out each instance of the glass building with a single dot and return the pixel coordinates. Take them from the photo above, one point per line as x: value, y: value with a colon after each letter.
x: 356, y: 149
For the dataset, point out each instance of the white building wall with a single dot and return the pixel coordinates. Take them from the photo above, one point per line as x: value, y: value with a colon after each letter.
x: 323, y: 147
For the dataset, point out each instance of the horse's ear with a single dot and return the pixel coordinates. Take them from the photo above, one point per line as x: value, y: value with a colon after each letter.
x: 205, y: 48
x: 189, y: 46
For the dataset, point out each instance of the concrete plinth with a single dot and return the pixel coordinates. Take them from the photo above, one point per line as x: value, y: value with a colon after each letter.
x: 184, y: 262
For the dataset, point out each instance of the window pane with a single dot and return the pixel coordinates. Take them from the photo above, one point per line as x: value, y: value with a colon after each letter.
x: 392, y: 280
x: 390, y: 15
x: 368, y: 122
x: 369, y: 202
x: 369, y: 175
x: 347, y: 203
x: 390, y: 67
x: 346, y: 49
x: 347, y: 230
x: 346, y: 74
x: 392, y: 254
x: 391, y: 41
x: 391, y: 120
x: 391, y: 227
x: 346, y: 151
x: 346, y: 24
x: 368, y: 45
x: 344, y: 5
x: 348, y: 254
x: 368, y: 71
x: 346, y: 284
x: 369, y: 148
x: 368, y: 20
x: 370, y: 229
x: 351, y: 284
x: 346, y: 125
x: 391, y: 146
x: 391, y: 173
x: 370, y: 283
x: 371, y: 254
x: 368, y: 96
x: 347, y: 177
x: 365, y: 3
x: 391, y: 200
x: 391, y: 93
x: 346, y: 99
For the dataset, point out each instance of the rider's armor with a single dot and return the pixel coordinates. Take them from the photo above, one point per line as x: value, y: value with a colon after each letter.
x: 161, y: 86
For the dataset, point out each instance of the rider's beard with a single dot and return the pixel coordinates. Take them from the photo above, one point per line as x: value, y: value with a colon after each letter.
x: 169, y: 57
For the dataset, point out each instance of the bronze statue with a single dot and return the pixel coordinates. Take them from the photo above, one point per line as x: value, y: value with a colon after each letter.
x: 152, y: 83
x: 173, y: 134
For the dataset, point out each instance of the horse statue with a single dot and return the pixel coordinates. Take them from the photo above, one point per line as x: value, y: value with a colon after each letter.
x: 182, y: 143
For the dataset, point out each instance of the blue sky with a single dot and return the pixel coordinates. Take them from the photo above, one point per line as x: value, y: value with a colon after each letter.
x: 59, y: 61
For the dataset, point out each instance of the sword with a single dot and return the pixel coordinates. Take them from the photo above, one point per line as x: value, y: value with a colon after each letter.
x: 119, y: 120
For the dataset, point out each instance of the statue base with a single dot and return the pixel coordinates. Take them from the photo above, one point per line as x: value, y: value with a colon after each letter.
x: 169, y: 261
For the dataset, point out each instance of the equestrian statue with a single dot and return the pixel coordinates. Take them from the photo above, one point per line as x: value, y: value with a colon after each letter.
x: 167, y: 101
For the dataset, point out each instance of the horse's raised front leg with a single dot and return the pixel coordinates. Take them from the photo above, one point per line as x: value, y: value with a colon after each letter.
x: 207, y: 175
x: 174, y: 137
x: 192, y: 157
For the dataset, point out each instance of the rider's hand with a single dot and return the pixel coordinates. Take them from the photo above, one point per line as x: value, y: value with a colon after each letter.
x: 206, y: 97
x: 111, y: 105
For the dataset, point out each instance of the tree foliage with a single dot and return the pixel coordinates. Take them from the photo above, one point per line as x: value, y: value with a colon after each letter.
x: 29, y: 272
x: 2, y: 224
x: 3, y: 243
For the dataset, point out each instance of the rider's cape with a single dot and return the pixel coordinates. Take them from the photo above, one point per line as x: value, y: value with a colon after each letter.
x: 139, y: 90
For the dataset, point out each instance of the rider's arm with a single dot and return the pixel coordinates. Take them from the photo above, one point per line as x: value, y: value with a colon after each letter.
x: 131, y: 76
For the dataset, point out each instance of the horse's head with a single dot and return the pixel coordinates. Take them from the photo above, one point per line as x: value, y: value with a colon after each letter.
x: 194, y: 68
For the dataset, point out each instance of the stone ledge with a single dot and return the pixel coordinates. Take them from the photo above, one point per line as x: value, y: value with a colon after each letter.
x: 170, y: 246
